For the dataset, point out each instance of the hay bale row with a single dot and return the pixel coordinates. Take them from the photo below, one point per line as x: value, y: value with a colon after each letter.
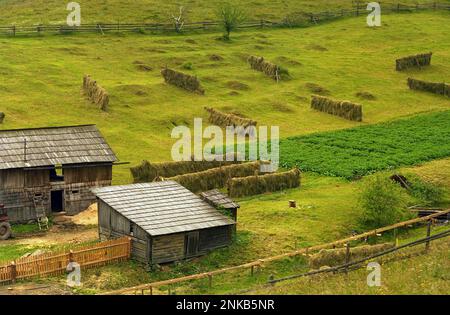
x: 149, y: 172
x: 272, y: 70
x: 2, y: 117
x: 216, y: 177
x: 224, y: 120
x: 344, y: 109
x: 420, y: 60
x: 337, y: 257
x: 184, y: 81
x: 255, y: 185
x: 95, y: 93
x: 436, y: 88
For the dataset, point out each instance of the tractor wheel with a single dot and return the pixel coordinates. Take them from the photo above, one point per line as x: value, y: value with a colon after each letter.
x: 5, y: 230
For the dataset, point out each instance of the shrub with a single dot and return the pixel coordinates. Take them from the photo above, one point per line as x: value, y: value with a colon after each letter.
x: 427, y: 192
x: 230, y: 18
x: 383, y: 202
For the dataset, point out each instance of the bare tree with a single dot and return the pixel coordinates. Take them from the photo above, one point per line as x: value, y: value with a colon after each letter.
x: 230, y: 18
x: 179, y: 20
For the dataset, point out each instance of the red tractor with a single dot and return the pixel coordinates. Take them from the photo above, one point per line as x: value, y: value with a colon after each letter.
x: 5, y: 227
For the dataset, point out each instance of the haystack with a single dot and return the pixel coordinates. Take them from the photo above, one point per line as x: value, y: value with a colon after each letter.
x: 184, y: 81
x: 344, y: 109
x: 436, y: 88
x: 149, y: 172
x: 216, y: 177
x: 224, y: 120
x: 95, y: 93
x: 337, y: 257
x: 272, y: 70
x: 420, y: 60
x: 255, y: 185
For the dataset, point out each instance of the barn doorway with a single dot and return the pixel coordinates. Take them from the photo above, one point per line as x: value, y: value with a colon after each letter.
x: 192, y: 244
x: 57, y: 201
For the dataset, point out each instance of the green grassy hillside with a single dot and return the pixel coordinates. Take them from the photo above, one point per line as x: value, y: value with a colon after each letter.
x: 33, y: 12
x: 43, y: 76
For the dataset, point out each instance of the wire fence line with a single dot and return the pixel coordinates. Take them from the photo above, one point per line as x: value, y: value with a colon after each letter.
x: 294, y: 19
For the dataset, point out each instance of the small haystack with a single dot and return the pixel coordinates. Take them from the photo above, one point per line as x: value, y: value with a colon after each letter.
x: 181, y: 80
x: 344, y: 109
x: 436, y: 88
x: 272, y: 70
x: 216, y: 177
x: 95, y: 93
x: 255, y: 185
x: 420, y: 60
x: 337, y: 257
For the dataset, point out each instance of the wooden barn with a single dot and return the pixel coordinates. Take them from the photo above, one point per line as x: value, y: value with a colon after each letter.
x: 166, y: 221
x: 49, y: 170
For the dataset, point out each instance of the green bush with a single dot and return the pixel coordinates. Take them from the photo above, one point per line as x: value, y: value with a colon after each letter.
x: 383, y: 201
x: 427, y: 192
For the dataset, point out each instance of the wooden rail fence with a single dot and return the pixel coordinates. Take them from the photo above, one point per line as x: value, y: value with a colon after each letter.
x: 304, y: 251
x: 52, y: 264
x: 299, y: 19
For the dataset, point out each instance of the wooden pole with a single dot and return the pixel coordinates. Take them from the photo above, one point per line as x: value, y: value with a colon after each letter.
x: 210, y: 277
x: 347, y: 256
x: 13, y: 272
x: 427, y: 245
x: 396, y: 237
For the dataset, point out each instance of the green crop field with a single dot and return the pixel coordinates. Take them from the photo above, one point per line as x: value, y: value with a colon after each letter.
x: 359, y: 151
x: 343, y: 59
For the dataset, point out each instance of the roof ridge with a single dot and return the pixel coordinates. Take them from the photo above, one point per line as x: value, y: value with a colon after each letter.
x: 52, y: 127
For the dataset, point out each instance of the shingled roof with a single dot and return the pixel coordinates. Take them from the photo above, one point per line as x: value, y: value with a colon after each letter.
x: 162, y: 208
x: 25, y: 148
x: 219, y: 200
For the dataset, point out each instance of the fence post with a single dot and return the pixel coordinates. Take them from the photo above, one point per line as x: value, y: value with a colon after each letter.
x: 13, y: 272
x: 70, y: 256
x: 396, y: 237
x: 129, y: 248
x: 427, y: 246
x: 210, y: 277
x: 14, y: 30
x: 347, y: 256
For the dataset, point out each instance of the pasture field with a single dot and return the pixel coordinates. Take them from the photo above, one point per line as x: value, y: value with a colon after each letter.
x: 402, y: 130
x: 33, y: 12
x: 44, y: 78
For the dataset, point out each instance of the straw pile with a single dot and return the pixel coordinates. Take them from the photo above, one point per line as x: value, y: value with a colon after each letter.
x: 413, y: 61
x: 216, y: 177
x: 149, y: 172
x: 436, y: 88
x: 268, y: 68
x: 95, y: 93
x: 2, y: 117
x: 224, y: 120
x: 337, y: 257
x: 184, y: 81
x: 344, y: 109
x: 255, y: 185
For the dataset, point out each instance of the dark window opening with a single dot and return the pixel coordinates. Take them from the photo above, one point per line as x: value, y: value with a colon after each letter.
x: 56, y: 175
x: 57, y: 201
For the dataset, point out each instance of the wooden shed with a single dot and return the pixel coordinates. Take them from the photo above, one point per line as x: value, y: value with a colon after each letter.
x: 166, y: 221
x: 52, y: 170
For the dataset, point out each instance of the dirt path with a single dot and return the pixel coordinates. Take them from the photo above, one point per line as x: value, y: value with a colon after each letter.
x: 35, y: 289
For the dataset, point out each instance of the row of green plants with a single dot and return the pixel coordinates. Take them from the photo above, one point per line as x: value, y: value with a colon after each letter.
x: 360, y: 151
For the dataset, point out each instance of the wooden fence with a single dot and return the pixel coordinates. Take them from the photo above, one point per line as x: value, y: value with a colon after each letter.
x: 292, y: 20
x: 304, y: 251
x: 52, y: 264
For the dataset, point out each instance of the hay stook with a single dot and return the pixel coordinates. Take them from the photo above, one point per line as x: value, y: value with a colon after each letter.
x: 272, y: 70
x: 95, y: 93
x: 255, y: 185
x: 419, y: 60
x: 344, y: 109
x: 436, y: 88
x: 182, y: 80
